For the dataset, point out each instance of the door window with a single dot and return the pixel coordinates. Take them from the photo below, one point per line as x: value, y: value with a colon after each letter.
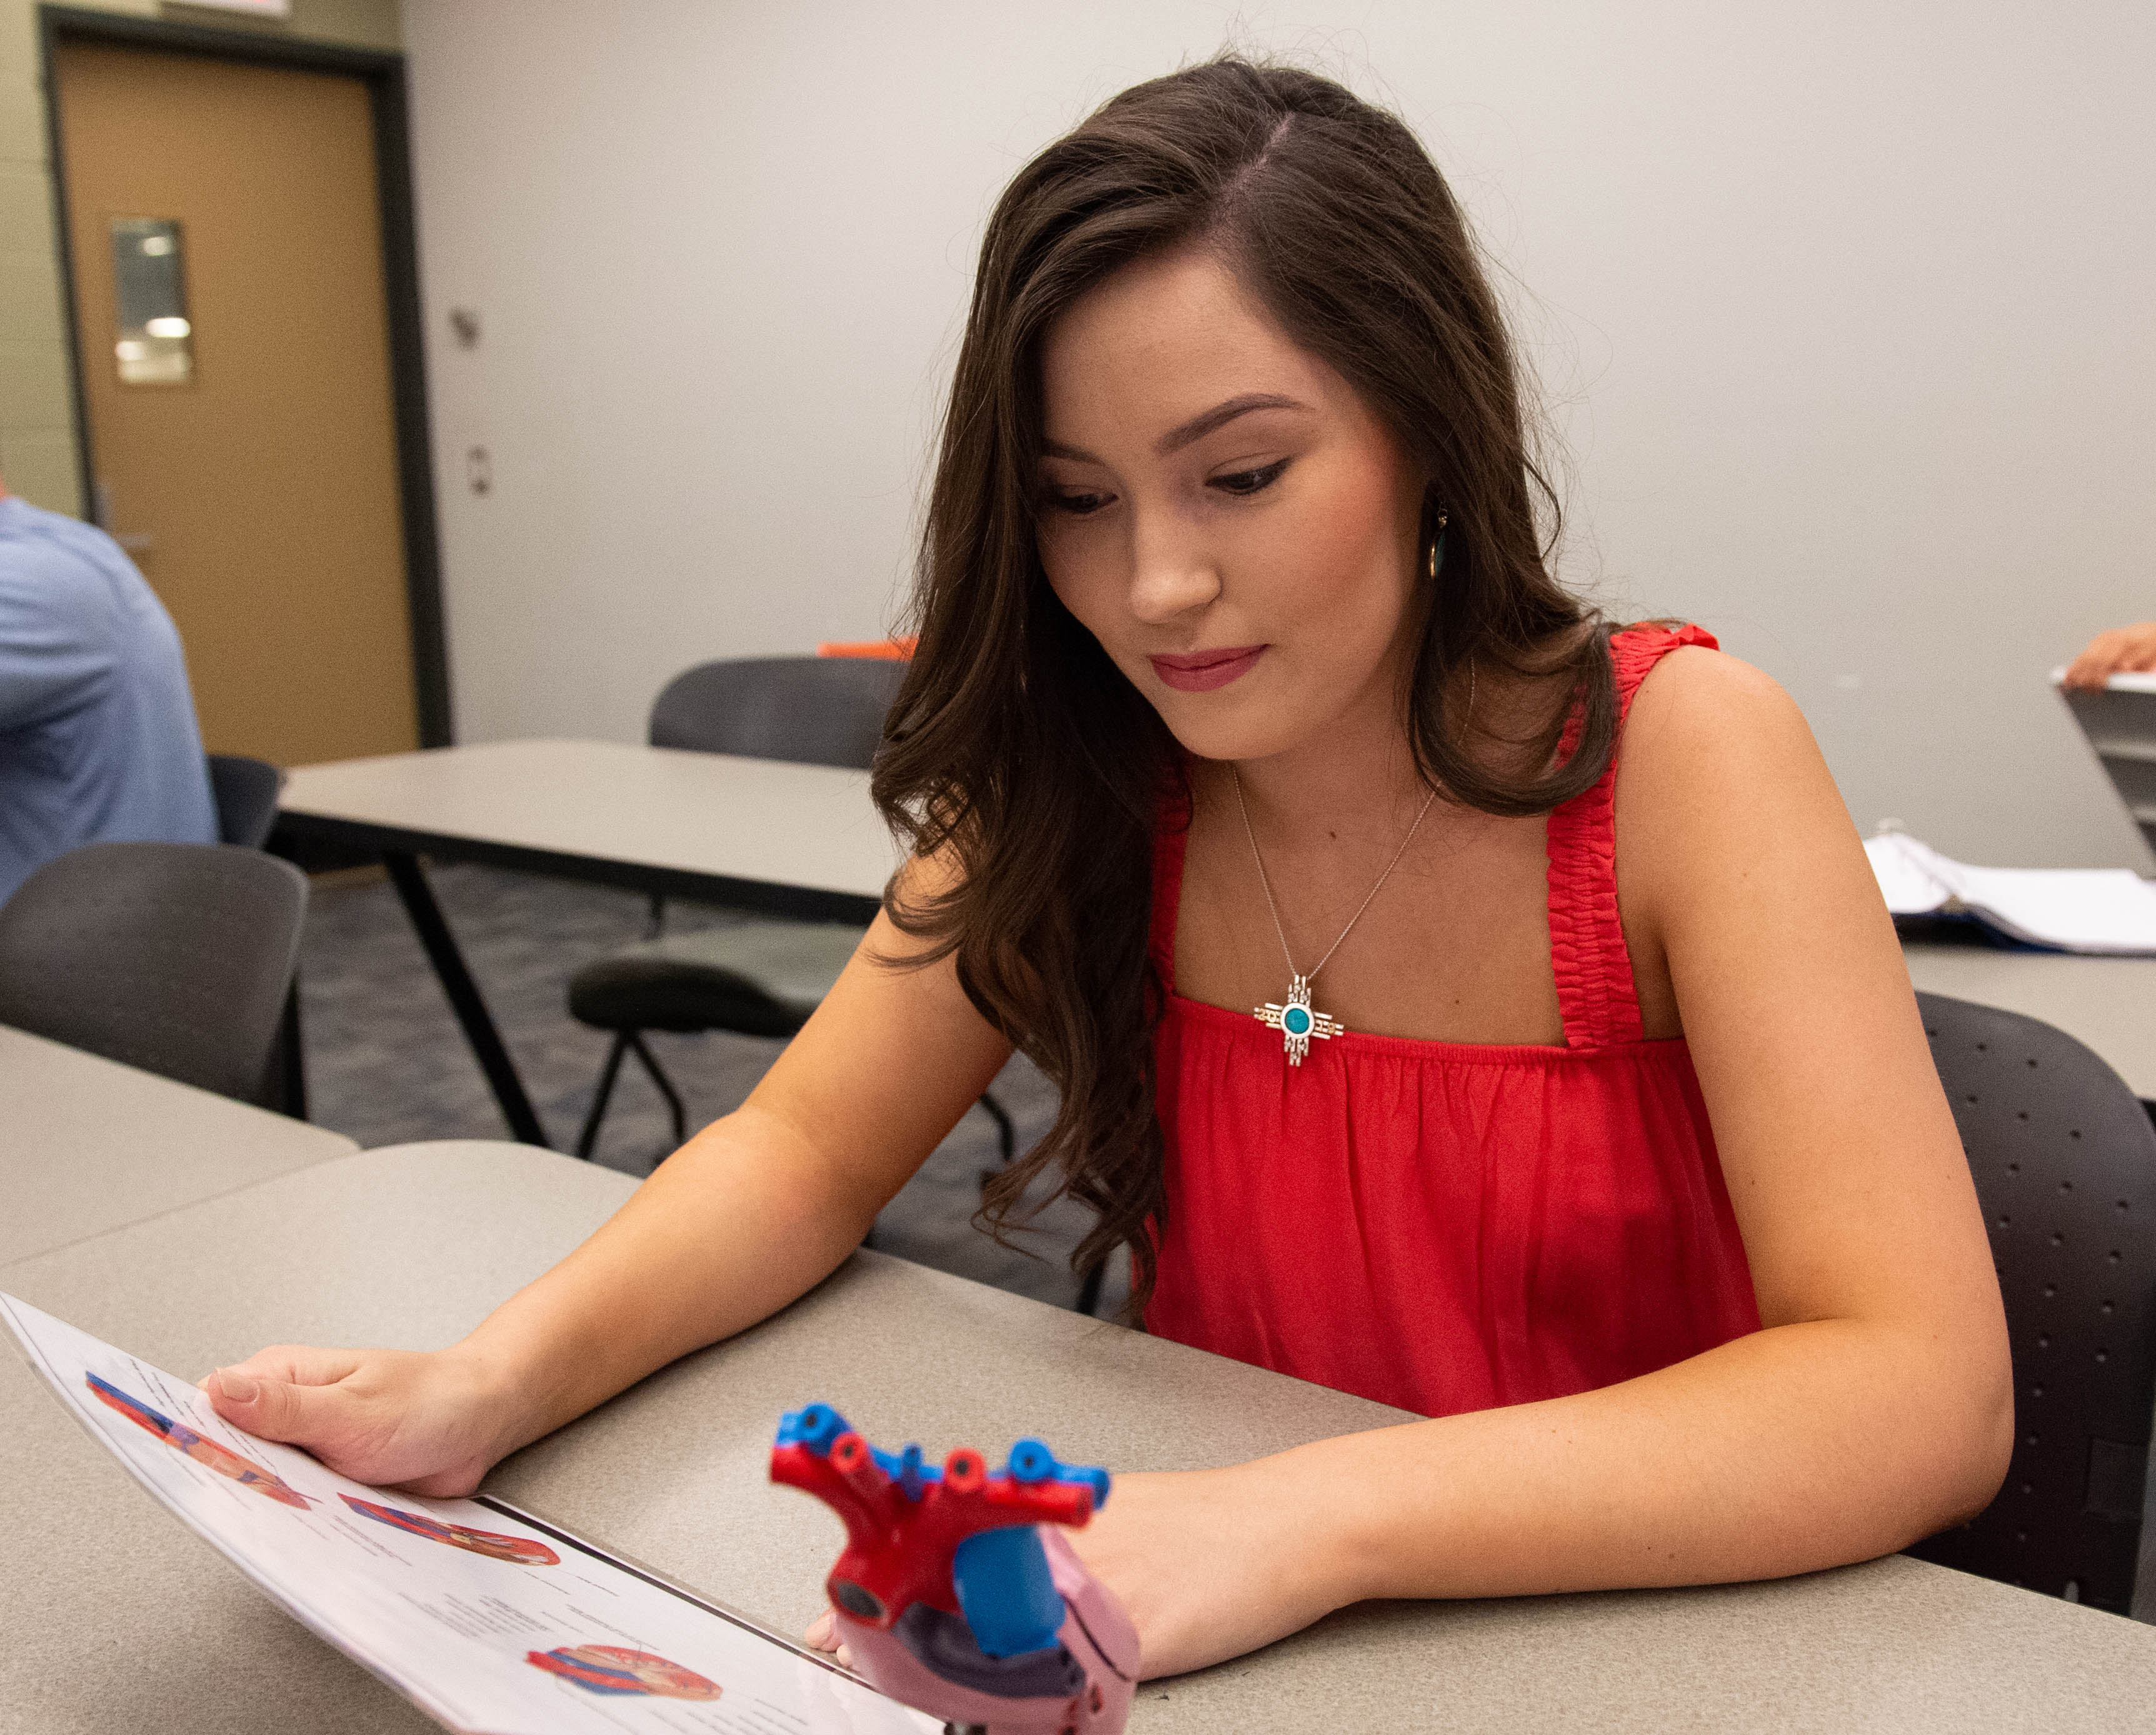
x: 154, y: 346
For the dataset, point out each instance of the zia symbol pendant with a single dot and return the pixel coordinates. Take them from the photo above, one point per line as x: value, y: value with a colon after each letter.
x: 1297, y: 1021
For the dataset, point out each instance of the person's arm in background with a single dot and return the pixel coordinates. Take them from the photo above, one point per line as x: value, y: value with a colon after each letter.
x: 2122, y: 650
x: 59, y: 632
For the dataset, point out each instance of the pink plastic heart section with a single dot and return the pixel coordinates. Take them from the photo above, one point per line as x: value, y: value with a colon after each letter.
x: 1095, y: 1632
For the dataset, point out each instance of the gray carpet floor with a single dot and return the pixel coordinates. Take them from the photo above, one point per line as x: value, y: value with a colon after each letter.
x: 387, y: 1063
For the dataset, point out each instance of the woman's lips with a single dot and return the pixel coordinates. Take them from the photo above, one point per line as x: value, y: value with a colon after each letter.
x: 1203, y: 670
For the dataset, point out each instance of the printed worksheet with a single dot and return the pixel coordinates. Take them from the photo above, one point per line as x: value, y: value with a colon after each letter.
x: 490, y: 1622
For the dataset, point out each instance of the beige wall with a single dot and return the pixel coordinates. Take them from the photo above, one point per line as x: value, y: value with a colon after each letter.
x: 36, y: 408
x: 1845, y: 308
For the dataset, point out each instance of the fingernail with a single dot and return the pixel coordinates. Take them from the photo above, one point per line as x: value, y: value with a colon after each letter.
x: 819, y: 1630
x: 237, y: 1388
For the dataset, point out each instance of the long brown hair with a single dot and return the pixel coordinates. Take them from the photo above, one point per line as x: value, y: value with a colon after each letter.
x: 1018, y: 749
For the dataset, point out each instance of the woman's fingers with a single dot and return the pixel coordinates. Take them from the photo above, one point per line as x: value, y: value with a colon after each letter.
x: 318, y: 1416
x: 296, y: 1364
x: 383, y: 1417
x: 823, y: 1635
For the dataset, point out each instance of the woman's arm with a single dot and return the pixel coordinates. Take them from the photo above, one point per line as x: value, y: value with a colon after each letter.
x: 1874, y: 1407
x: 753, y: 1212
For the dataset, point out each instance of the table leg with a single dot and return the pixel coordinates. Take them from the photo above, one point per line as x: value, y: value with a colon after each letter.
x: 410, y: 879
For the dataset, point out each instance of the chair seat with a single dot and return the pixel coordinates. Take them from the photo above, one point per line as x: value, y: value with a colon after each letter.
x: 762, y: 977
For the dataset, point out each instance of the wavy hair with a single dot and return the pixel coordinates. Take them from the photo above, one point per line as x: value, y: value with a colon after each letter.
x: 1017, y: 750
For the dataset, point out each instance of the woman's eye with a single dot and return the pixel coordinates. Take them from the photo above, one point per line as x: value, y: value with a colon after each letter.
x: 1078, y: 506
x: 1249, y: 481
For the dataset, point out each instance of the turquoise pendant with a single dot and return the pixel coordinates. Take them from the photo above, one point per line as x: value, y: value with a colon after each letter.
x: 1298, y: 1021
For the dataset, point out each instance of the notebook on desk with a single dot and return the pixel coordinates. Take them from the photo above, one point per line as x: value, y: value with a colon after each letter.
x: 2092, y: 910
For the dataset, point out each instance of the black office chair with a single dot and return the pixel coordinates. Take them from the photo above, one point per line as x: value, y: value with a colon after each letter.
x: 2065, y: 1162
x: 173, y: 957
x: 764, y: 976
x: 804, y: 710
x: 245, y: 791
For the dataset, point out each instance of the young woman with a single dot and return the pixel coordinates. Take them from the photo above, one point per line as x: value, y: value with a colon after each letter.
x: 1585, y: 1111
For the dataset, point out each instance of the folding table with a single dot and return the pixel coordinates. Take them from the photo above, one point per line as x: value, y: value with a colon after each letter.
x: 755, y: 834
x: 117, y: 1618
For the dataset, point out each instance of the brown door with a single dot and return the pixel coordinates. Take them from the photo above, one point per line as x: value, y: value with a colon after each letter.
x: 241, y: 436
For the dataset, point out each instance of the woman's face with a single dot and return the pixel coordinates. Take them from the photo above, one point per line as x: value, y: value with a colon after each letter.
x: 1223, y: 513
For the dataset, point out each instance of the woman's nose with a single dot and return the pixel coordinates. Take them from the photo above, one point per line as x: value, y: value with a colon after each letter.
x: 1171, y: 576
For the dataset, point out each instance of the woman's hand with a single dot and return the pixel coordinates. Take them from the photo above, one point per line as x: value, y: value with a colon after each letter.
x: 2124, y: 648
x: 434, y: 1424
x: 1208, y: 1563
x: 1211, y: 1564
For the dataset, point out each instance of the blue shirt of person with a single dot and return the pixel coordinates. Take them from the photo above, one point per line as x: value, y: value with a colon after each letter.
x: 98, y: 740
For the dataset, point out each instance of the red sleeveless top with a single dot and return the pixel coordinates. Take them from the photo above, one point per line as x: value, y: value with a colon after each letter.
x: 1449, y: 1226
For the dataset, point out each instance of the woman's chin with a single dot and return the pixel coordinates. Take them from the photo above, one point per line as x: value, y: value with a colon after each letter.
x: 1223, y: 731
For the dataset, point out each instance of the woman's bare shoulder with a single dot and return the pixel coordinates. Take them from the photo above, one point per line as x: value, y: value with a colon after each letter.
x: 1719, y: 780
x: 1696, y: 696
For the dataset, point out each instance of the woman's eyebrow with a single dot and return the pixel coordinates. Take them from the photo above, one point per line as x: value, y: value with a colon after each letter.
x: 1189, y: 433
x: 1220, y: 416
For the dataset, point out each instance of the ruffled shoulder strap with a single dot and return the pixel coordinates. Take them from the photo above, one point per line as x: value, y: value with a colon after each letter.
x: 1595, y: 991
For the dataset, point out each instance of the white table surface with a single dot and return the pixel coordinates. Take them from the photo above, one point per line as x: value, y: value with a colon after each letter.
x: 117, y: 1618
x: 2108, y: 1003
x: 755, y: 819
x: 87, y: 1145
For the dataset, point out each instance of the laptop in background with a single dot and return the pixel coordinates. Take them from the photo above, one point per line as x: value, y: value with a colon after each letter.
x: 2120, y: 723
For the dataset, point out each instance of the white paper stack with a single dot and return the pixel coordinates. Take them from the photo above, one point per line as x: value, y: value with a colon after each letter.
x: 2094, y: 910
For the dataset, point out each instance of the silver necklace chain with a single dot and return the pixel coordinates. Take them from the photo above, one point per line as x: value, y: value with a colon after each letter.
x: 1266, y: 879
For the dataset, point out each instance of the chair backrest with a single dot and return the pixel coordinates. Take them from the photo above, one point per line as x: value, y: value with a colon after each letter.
x: 174, y: 957
x: 814, y: 710
x: 2065, y: 1162
x: 246, y: 794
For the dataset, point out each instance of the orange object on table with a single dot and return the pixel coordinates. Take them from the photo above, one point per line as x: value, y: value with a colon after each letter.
x: 895, y: 650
